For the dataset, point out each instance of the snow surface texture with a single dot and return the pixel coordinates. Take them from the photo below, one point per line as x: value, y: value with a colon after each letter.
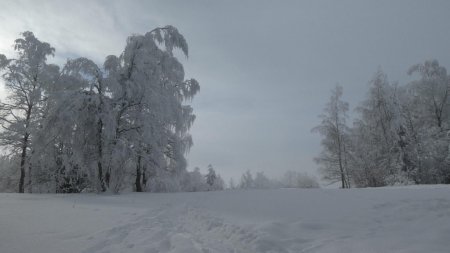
x: 408, y: 219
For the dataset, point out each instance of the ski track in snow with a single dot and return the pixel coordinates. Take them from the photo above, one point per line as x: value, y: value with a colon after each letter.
x: 367, y: 220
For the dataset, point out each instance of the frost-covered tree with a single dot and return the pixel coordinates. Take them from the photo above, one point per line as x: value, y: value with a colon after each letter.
x: 289, y: 179
x: 231, y: 184
x: 152, y: 91
x: 334, y: 157
x: 80, y: 118
x: 376, y: 152
x: 294, y: 179
x: 247, y: 181
x: 432, y: 90
x: 219, y: 184
x: 100, y: 127
x: 210, y: 176
x: 195, y: 181
x: 401, y: 133
x: 214, y: 180
x: 130, y: 112
x: 401, y: 136
x: 261, y: 181
x: 429, y: 123
x: 26, y: 79
x: 306, y: 181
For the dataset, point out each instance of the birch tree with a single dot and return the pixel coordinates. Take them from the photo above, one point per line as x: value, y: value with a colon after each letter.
x: 26, y: 79
x: 430, y: 121
x: 149, y: 102
x: 97, y: 126
x: 334, y: 156
x: 378, y: 130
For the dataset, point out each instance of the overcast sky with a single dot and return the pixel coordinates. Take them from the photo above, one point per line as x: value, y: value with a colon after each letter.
x: 265, y: 68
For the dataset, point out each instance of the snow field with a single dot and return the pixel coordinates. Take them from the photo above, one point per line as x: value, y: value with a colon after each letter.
x: 405, y: 219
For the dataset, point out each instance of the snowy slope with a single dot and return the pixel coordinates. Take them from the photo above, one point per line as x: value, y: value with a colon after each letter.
x: 408, y: 219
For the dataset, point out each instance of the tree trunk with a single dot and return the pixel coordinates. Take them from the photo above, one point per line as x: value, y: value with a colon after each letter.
x: 100, y: 176
x: 23, y: 158
x: 341, y: 168
x: 107, y: 177
x: 101, y: 179
x: 138, y: 175
x: 101, y: 182
x: 144, y: 179
x: 30, y: 188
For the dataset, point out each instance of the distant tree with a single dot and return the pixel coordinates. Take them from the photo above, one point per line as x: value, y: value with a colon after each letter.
x: 194, y: 181
x: 247, y: 181
x: 306, y: 181
x: 293, y: 179
x: 334, y: 156
x: 289, y: 179
x: 261, y: 181
x: 231, y: 184
x: 211, y: 176
x: 219, y: 184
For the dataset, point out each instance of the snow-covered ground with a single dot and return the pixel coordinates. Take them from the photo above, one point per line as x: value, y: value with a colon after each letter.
x: 405, y: 219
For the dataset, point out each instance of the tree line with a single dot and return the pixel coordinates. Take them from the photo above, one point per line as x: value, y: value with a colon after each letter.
x: 86, y: 126
x: 400, y: 134
x: 290, y: 179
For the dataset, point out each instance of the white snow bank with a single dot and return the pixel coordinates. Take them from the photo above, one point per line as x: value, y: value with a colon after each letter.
x: 401, y: 219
